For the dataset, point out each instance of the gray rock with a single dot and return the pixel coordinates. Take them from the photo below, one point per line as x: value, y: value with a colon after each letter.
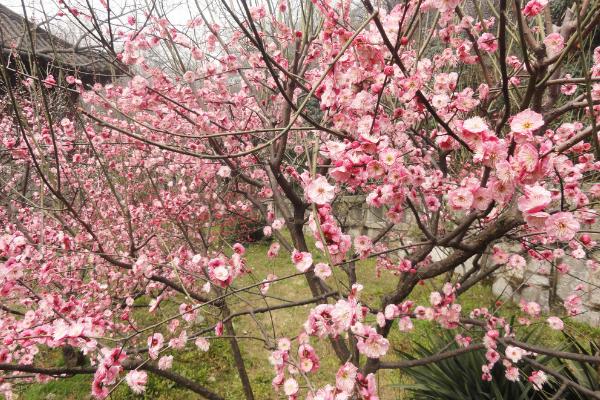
x: 514, y: 274
x: 592, y: 318
x: 502, y: 288
x: 530, y: 293
x: 538, y: 280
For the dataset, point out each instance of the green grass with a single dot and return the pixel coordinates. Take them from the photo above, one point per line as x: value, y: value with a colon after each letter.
x: 216, y: 367
x: 76, y: 387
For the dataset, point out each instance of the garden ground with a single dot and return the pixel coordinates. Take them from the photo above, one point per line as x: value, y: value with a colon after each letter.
x: 215, y: 369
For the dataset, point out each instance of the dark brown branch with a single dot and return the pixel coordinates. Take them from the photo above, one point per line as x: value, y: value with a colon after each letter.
x: 183, y: 382
x: 431, y: 359
x: 550, y: 352
x: 420, y: 96
x: 68, y: 371
x: 503, y: 69
x: 562, y: 379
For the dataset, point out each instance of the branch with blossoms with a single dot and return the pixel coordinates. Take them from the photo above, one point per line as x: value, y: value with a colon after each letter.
x: 126, y: 215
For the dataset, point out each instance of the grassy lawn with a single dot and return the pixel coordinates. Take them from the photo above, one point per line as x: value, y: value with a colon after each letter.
x: 215, y: 369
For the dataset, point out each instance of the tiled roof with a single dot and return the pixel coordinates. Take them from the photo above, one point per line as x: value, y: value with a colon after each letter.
x: 62, y: 54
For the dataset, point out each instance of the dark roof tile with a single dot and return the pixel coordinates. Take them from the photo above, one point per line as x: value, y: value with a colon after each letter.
x: 58, y: 52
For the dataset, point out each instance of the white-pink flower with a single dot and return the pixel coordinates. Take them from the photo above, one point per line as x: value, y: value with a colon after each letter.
x: 460, y: 199
x: 488, y: 42
x: 322, y: 270
x: 221, y: 273
x: 528, y: 156
x: 380, y: 318
x: 155, y: 343
x: 535, y: 199
x: 165, y: 362
x: 516, y: 262
x: 492, y: 356
x: 475, y: 125
x: 346, y: 377
x: 137, y: 380
x: 440, y: 101
x: 49, y: 82
x: 202, y: 344
x: 573, y: 304
x: 319, y: 191
x: 180, y: 341
x: 514, y: 354
x: 278, y: 224
x: 189, y: 76
x: 531, y: 307
x: 391, y: 311
x: 405, y: 324
x: 445, y: 5
x: 273, y: 250
x: 238, y: 248
x: 302, y: 260
x: 363, y: 245
x: 568, y: 89
x: 463, y: 341
x: 526, y: 121
x: 139, y: 84
x: 538, y: 379
x: 512, y: 374
x: 224, y: 171
x: 372, y: 344
x: 388, y: 156
x: 290, y: 387
x: 482, y: 198
x: 556, y: 323
x: 534, y: 7
x: 435, y: 298
x: 562, y: 226
x: 554, y: 43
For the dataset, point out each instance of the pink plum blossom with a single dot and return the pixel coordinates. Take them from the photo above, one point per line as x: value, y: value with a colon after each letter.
x: 460, y: 199
x: 345, y: 378
x: 512, y: 374
x: 554, y: 43
x: 555, y: 323
x: 534, y: 199
x: 538, y: 379
x: 136, y: 380
x: 488, y: 42
x: 319, y: 191
x: 562, y: 226
x: 290, y: 387
x: 526, y: 121
x: 322, y: 270
x: 165, y: 362
x: 302, y: 260
x: 534, y: 7
x: 371, y: 344
x: 514, y: 354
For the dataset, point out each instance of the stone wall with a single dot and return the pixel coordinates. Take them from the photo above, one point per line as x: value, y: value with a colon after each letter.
x: 536, y: 282
x: 539, y: 282
x: 356, y: 218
